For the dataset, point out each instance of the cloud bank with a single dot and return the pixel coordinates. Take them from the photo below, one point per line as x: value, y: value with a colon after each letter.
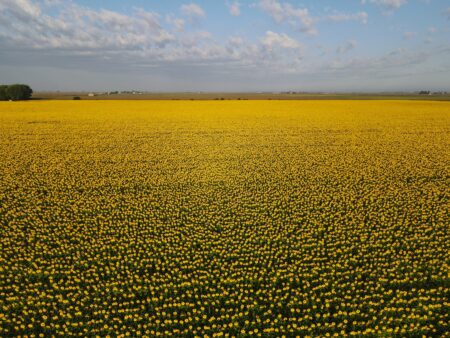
x: 179, y: 44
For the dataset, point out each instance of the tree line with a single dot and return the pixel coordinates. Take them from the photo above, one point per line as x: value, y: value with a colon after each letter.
x: 15, y: 92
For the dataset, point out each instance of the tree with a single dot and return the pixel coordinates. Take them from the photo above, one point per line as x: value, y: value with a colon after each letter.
x: 4, y: 93
x: 15, y: 92
x: 19, y: 92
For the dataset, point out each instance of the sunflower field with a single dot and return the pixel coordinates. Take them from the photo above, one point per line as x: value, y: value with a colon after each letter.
x: 224, y: 219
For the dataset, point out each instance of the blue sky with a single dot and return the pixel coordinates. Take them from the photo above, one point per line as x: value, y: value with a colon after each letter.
x: 226, y: 45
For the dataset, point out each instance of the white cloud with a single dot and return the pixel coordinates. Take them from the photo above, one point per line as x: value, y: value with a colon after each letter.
x: 346, y: 47
x: 136, y: 38
x: 272, y: 40
x: 297, y: 17
x: 52, y: 32
x: 399, y: 59
x: 340, y: 17
x: 23, y: 8
x: 234, y: 8
x: 274, y: 9
x: 409, y: 35
x: 177, y: 23
x: 236, y: 41
x: 388, y: 5
x: 79, y: 28
x: 301, y: 19
x: 193, y: 12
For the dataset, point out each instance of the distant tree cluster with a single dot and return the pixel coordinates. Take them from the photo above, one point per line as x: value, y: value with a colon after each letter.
x: 15, y: 92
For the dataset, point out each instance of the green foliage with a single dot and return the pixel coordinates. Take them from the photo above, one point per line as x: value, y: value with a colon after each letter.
x: 15, y: 92
x: 3, y: 93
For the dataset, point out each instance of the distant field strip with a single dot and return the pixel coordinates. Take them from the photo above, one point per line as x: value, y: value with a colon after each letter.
x: 246, y: 218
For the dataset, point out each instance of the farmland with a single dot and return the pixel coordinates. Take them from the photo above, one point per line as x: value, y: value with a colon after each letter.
x: 224, y: 218
x: 240, y: 96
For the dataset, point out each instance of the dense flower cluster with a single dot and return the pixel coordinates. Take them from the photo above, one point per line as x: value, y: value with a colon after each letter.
x: 222, y: 219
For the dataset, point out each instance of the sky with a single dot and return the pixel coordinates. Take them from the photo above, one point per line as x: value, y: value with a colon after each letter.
x: 226, y: 45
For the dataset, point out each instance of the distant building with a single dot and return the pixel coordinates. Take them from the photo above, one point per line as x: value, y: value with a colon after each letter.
x: 91, y: 94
